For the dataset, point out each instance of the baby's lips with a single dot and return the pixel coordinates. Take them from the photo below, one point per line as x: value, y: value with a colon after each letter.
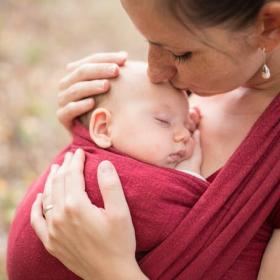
x: 177, y: 157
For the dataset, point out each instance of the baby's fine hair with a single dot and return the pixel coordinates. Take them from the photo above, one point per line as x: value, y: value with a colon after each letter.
x: 98, y: 99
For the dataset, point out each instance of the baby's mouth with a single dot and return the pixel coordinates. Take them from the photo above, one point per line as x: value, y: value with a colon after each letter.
x: 176, y: 157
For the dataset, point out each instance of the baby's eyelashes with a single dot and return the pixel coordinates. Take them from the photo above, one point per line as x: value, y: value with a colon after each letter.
x: 163, y: 121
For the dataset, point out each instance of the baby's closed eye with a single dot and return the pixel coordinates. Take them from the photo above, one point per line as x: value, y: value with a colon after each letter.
x: 163, y: 121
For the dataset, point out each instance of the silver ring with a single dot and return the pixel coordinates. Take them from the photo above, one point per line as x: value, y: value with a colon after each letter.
x: 48, y: 208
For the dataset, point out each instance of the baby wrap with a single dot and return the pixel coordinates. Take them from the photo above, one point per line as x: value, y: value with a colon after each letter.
x: 186, y: 228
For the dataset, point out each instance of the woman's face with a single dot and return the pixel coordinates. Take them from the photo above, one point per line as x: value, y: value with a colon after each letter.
x: 206, y: 61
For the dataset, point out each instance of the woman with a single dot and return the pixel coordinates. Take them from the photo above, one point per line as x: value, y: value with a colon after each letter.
x: 227, y: 53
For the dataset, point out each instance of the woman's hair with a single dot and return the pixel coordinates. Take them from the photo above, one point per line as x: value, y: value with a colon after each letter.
x: 236, y: 14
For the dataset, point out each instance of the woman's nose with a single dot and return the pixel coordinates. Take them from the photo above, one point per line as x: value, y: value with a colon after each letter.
x: 160, y: 75
x: 182, y: 135
x: 160, y: 67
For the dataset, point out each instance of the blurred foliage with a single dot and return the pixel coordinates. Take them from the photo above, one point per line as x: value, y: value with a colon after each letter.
x: 37, y: 39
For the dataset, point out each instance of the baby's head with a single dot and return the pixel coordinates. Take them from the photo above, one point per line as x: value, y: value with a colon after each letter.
x: 145, y: 121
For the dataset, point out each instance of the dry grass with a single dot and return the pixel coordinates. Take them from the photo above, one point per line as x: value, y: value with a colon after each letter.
x: 37, y: 38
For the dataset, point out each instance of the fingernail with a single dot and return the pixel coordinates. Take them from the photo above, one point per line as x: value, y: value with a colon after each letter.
x: 105, y: 84
x: 88, y: 101
x: 106, y: 167
x: 79, y: 151
x: 113, y: 69
x: 102, y: 84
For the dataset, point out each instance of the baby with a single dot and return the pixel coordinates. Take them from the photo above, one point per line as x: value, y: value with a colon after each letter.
x: 148, y: 122
x: 140, y: 127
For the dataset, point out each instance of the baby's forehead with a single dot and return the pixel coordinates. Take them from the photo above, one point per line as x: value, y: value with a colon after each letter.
x: 134, y: 82
x: 133, y: 90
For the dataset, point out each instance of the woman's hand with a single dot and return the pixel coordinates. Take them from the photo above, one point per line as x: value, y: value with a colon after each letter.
x: 193, y: 164
x: 86, y: 78
x: 194, y: 118
x: 94, y: 243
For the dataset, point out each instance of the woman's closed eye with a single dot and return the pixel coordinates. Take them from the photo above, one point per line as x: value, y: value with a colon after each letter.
x: 182, y: 58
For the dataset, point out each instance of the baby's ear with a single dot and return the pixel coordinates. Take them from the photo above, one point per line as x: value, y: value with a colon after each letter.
x: 99, y: 128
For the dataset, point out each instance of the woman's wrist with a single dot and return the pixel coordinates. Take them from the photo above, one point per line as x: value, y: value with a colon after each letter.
x: 134, y: 272
x: 128, y: 271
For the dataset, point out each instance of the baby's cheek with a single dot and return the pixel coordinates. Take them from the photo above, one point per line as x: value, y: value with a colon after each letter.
x: 151, y: 146
x: 160, y: 149
x: 151, y: 151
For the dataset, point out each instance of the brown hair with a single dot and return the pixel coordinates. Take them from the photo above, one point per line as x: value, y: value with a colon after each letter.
x: 236, y: 14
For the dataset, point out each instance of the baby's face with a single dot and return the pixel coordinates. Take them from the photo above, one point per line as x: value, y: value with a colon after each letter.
x: 149, y: 122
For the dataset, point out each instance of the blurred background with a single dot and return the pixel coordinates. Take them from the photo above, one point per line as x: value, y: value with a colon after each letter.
x: 37, y: 39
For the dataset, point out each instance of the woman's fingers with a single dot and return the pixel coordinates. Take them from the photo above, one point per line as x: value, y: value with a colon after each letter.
x: 195, y: 115
x: 58, y: 183
x: 82, y: 90
x: 194, y: 118
x: 118, y: 58
x: 37, y: 220
x: 111, y: 190
x: 72, y: 110
x: 47, y: 195
x: 75, y: 182
x: 86, y: 78
x: 90, y: 71
x: 54, y: 187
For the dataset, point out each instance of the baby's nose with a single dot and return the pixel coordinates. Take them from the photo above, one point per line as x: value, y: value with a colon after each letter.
x: 182, y: 135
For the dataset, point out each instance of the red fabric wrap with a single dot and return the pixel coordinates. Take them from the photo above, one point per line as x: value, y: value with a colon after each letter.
x: 185, y: 228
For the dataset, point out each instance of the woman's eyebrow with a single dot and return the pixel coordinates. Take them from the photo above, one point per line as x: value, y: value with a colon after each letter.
x: 157, y: 44
x: 164, y: 46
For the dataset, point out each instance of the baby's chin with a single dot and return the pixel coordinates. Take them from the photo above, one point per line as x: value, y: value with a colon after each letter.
x: 168, y: 162
x: 168, y: 165
x: 165, y: 163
